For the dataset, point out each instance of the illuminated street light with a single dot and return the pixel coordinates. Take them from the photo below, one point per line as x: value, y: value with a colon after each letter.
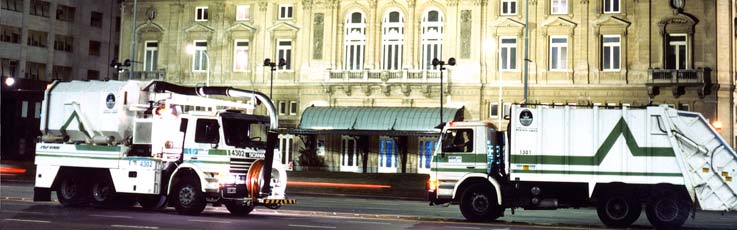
x: 269, y: 63
x: 436, y: 63
x: 9, y: 81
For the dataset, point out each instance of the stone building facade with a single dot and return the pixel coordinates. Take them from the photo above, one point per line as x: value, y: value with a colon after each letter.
x: 59, y: 39
x: 378, y: 53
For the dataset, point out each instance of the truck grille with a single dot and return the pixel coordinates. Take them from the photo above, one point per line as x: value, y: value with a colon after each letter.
x: 240, y: 166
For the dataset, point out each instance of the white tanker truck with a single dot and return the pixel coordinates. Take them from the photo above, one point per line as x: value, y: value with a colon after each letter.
x: 116, y: 142
x: 617, y: 160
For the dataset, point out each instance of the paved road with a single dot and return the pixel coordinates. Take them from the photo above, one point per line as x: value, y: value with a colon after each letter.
x: 312, y: 212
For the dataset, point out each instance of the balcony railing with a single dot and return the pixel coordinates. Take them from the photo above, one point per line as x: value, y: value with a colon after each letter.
x: 144, y: 75
x: 384, y: 75
x: 678, y: 77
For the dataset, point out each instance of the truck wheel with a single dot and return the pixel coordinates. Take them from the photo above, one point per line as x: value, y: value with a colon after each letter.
x: 154, y: 202
x: 72, y: 192
x: 668, y: 211
x: 618, y: 210
x: 188, y: 198
x: 479, y: 204
x: 239, y: 208
x: 102, y: 193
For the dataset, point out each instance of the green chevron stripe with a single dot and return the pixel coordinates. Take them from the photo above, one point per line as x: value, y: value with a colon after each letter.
x: 217, y: 152
x: 64, y: 127
x: 620, y: 129
x: 597, y: 173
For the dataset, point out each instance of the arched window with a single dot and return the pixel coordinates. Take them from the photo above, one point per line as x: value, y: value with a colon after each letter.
x: 392, y: 40
x: 431, y: 38
x: 355, y: 40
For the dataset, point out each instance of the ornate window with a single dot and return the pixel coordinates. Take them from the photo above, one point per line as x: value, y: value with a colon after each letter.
x: 431, y: 38
x: 393, y: 41
x: 611, y: 6
x: 199, y: 59
x: 508, y: 53
x: 201, y: 14
x: 509, y: 7
x: 151, y: 56
x: 285, y: 12
x: 677, y: 52
x: 355, y: 40
x: 284, y: 51
x: 558, y: 52
x: 240, y: 56
x: 611, y: 52
x: 242, y: 12
x: 558, y: 6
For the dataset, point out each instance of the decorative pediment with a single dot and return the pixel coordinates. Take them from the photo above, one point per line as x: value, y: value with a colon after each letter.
x: 507, y: 26
x: 508, y: 22
x: 558, y: 21
x: 284, y: 26
x: 679, y: 23
x: 197, y: 27
x: 149, y: 26
x: 611, y: 25
x: 241, y: 27
x: 558, y: 25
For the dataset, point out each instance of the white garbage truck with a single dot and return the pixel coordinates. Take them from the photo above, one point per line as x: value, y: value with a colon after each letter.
x: 617, y: 160
x: 111, y: 143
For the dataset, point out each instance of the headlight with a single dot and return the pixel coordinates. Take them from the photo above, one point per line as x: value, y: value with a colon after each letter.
x: 226, y: 178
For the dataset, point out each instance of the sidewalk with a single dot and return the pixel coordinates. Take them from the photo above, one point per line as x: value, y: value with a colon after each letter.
x: 365, y: 185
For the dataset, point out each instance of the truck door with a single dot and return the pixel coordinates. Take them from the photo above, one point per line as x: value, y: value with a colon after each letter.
x: 458, y: 148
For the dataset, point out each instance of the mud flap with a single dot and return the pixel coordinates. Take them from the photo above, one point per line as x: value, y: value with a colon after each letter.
x: 41, y: 194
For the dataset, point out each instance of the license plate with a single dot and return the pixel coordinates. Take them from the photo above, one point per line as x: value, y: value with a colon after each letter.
x: 231, y: 190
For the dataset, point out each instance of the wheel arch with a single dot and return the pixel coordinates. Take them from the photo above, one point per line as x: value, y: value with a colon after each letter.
x: 475, y: 178
x: 186, y: 170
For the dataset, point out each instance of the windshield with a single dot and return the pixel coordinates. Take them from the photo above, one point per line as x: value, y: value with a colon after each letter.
x: 244, y: 133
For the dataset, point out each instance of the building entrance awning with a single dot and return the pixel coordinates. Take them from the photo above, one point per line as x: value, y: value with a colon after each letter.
x: 391, y: 121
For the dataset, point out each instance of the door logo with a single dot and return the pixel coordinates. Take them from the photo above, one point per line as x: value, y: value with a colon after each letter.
x: 525, y: 117
x: 110, y: 101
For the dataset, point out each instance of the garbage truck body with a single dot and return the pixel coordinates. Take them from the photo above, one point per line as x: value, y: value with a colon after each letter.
x: 621, y: 161
x: 115, y: 143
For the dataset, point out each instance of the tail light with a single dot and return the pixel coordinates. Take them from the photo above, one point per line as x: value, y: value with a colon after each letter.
x: 432, y: 185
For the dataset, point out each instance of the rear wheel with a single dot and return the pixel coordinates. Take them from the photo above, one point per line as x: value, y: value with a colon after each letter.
x: 668, y: 210
x: 618, y: 210
x: 72, y: 192
x: 102, y: 193
x: 238, y: 207
x: 188, y: 198
x: 479, y: 204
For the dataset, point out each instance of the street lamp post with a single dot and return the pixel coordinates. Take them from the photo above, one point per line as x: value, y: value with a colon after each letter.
x: 269, y: 63
x: 436, y: 63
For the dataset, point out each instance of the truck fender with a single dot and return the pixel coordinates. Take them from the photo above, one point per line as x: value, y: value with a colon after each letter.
x: 493, y: 182
x: 203, y: 182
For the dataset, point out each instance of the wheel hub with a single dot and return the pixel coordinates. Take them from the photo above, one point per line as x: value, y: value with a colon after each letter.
x: 69, y: 189
x: 617, y: 208
x: 101, y: 192
x: 666, y: 209
x: 479, y: 203
x: 186, y: 196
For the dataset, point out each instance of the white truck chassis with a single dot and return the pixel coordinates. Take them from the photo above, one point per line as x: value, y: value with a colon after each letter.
x: 617, y: 160
x: 114, y: 143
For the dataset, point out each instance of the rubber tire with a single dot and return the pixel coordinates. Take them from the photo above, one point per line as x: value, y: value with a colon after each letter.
x: 680, y: 204
x: 238, y: 208
x: 154, y: 202
x: 632, y: 210
x: 72, y: 192
x: 480, y: 195
x: 102, y: 196
x: 188, y: 198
